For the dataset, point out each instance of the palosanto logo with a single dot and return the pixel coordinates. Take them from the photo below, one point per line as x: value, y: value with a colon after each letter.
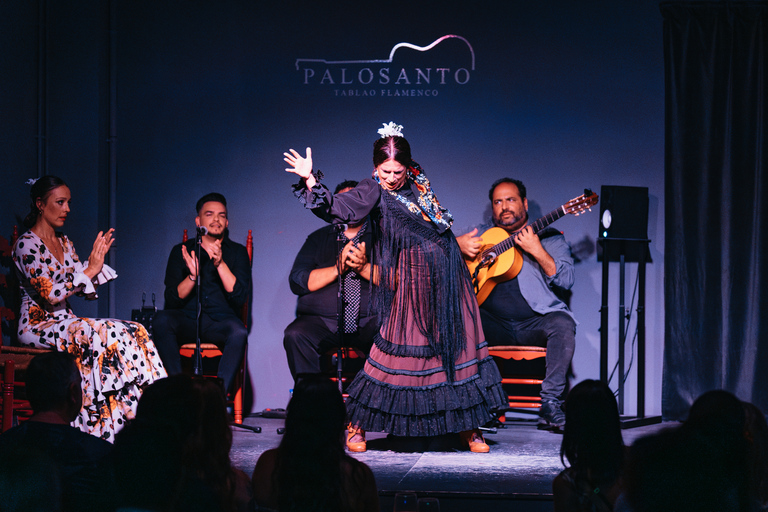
x: 383, y: 77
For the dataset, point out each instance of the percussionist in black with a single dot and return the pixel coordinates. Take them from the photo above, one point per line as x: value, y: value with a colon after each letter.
x: 314, y: 278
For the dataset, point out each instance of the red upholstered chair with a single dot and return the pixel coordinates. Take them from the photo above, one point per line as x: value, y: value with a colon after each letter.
x: 210, y: 350
x: 510, y: 378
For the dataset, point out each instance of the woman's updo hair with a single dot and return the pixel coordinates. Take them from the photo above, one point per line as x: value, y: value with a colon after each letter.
x: 392, y: 147
x: 41, y: 189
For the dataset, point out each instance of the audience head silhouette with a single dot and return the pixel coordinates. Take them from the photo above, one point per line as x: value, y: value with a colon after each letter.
x: 186, y: 419
x: 311, y: 470
x: 54, y: 385
x: 702, y: 465
x: 593, y: 445
x: 592, y: 441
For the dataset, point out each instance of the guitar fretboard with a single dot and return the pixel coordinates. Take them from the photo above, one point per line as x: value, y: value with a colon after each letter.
x: 537, y: 226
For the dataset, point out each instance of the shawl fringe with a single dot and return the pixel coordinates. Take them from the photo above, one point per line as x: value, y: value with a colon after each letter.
x: 433, y: 278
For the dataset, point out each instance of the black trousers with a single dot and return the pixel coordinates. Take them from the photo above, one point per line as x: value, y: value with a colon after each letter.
x: 556, y: 331
x: 308, y: 337
x: 172, y: 328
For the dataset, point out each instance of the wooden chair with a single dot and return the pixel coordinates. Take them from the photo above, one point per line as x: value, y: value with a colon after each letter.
x: 9, y: 288
x: 519, y: 353
x: 15, y: 360
x: 513, y: 375
x: 354, y: 359
x: 211, y: 351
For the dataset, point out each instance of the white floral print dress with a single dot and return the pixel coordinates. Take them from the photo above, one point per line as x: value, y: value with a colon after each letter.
x: 116, y: 358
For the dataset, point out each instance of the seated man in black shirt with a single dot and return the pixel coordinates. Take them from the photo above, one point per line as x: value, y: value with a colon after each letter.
x: 225, y: 279
x: 315, y: 279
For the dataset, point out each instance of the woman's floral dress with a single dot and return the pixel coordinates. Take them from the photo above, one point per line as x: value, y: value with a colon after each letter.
x: 116, y: 358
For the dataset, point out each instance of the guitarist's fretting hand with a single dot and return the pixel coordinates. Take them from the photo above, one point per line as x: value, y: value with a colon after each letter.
x: 528, y: 241
x: 470, y: 244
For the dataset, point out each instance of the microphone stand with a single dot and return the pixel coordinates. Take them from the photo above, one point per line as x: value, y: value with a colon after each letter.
x: 197, y: 364
x: 340, y: 228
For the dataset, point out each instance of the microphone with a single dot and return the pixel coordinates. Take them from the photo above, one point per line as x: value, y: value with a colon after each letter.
x: 202, y: 230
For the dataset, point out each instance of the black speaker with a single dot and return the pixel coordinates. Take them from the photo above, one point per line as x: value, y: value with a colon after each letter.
x: 623, y: 224
x: 623, y: 213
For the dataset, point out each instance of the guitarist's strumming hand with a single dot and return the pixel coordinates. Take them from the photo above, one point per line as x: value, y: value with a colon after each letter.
x: 470, y: 244
x: 528, y: 241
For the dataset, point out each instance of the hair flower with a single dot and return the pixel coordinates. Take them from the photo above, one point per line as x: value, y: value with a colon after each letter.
x: 391, y: 130
x: 31, y: 181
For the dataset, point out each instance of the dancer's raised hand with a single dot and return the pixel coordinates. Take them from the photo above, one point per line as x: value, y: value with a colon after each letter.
x: 300, y: 165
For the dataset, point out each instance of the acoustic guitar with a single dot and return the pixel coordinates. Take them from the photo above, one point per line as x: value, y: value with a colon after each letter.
x: 499, y: 260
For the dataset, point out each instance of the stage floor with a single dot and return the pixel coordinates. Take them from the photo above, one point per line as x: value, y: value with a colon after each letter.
x: 519, y: 469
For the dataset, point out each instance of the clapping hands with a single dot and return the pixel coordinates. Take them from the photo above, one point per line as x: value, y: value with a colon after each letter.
x: 101, y: 245
x: 353, y: 257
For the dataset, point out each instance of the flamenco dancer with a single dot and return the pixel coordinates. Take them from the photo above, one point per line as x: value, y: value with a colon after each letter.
x: 429, y: 372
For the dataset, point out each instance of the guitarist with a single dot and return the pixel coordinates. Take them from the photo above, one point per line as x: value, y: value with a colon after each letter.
x: 525, y: 310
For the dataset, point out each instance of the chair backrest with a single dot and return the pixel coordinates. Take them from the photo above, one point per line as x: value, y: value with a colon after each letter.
x: 11, y: 295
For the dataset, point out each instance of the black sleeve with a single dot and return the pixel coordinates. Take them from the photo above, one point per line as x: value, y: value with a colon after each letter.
x: 351, y: 206
x: 240, y: 265
x: 175, y: 272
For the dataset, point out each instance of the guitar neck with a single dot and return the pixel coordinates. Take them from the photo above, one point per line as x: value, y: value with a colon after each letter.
x: 537, y: 226
x: 548, y: 219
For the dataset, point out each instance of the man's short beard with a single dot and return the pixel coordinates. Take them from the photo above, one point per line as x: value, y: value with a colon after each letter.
x: 218, y: 236
x: 498, y: 222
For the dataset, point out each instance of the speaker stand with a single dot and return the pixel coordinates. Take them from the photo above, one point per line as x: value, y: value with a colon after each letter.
x: 617, y: 249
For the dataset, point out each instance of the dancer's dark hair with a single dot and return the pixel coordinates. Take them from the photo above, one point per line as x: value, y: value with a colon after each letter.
x: 392, y: 147
x: 41, y: 189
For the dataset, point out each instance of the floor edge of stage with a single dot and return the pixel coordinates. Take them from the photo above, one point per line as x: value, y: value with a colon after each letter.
x: 520, y: 467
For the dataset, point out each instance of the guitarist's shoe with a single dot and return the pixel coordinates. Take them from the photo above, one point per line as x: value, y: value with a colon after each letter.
x: 359, y: 445
x: 551, y: 416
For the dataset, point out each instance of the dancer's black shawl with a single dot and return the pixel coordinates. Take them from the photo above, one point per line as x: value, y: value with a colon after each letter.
x: 411, y: 253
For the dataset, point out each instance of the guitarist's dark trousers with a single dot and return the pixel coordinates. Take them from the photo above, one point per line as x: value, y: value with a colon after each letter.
x: 556, y: 331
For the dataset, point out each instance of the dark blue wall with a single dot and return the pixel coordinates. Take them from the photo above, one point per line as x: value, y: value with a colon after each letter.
x: 563, y: 95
